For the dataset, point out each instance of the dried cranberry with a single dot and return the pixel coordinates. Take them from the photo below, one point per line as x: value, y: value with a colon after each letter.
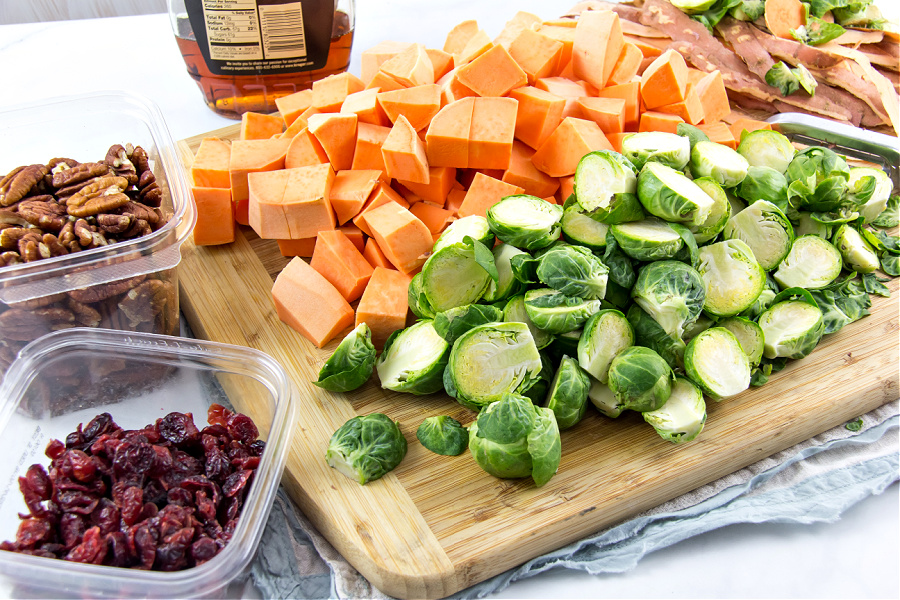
x: 203, y: 550
x: 241, y: 427
x: 102, y: 423
x: 216, y: 430
x: 134, y: 458
x: 236, y: 482
x: 145, y: 540
x: 77, y: 502
x: 155, y: 492
x: 217, y: 414
x: 106, y: 516
x: 78, y: 465
x: 217, y: 465
x: 257, y: 447
x: 180, y: 496
x: 132, y: 504
x: 33, y: 531
x: 118, y: 546
x: 179, y: 429
x: 91, y: 550
x: 54, y: 449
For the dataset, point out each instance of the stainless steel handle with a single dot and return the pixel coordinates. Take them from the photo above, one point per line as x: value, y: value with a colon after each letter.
x: 845, y: 139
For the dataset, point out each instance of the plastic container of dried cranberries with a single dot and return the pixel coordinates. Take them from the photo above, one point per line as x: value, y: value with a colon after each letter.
x: 190, y: 497
x: 94, y: 207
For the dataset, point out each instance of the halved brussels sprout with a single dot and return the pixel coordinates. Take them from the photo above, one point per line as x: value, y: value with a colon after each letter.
x: 451, y: 277
x: 418, y: 301
x: 718, y: 214
x: 693, y: 7
x: 514, y: 312
x: 640, y: 379
x: 574, y: 271
x: 491, y: 360
x: 749, y: 335
x: 649, y: 333
x: 582, y: 229
x: 764, y: 228
x: 604, y: 399
x: 878, y: 200
x: 812, y: 263
x: 669, y: 194
x: 366, y: 447
x: 413, y: 360
x: 512, y: 438
x: 506, y: 285
x: 857, y: 253
x: 351, y: 364
x: 555, y: 312
x: 767, y: 148
x: 715, y: 361
x: 568, y: 393
x: 454, y: 322
x: 682, y: 417
x: 719, y: 162
x: 474, y: 226
x: 605, y: 334
x: 443, y: 435
x: 734, y: 278
x: 665, y: 148
x: 792, y: 328
x: 604, y: 184
x: 764, y: 183
x: 525, y: 221
x: 672, y: 293
x: 648, y: 239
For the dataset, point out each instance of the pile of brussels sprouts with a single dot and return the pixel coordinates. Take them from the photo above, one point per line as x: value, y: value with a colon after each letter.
x: 679, y: 268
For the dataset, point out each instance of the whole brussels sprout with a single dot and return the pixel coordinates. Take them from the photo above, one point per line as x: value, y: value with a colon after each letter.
x: 443, y: 435
x: 366, y: 447
x: 512, y: 438
x: 671, y: 292
x: 557, y: 313
x: 640, y: 379
x: 568, y: 393
x: 351, y: 364
x: 574, y: 271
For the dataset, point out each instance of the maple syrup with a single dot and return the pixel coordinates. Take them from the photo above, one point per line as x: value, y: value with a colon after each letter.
x: 247, y: 58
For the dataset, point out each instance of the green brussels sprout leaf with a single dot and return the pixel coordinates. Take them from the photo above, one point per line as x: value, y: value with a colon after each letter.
x: 351, y: 363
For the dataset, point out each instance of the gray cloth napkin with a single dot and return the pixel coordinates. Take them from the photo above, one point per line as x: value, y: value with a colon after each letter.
x: 814, y: 481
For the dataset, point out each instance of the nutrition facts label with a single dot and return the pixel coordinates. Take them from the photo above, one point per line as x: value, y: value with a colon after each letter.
x: 236, y: 30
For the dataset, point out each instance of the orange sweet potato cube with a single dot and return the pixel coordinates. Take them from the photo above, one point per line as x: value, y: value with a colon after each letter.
x: 538, y: 113
x: 375, y: 256
x: 404, y: 153
x: 330, y: 92
x: 303, y: 247
x: 367, y: 150
x: 409, y: 68
x: 434, y: 217
x: 608, y: 113
x: 491, y: 133
x: 493, y: 73
x: 210, y: 166
x: 304, y: 150
x: 257, y: 126
x: 665, y: 80
x: 307, y: 302
x: 372, y: 58
x: 307, y: 207
x: 292, y: 105
x: 382, y: 194
x: 336, y: 132
x: 485, y: 192
x: 403, y: 238
x: 418, y: 104
x: 384, y: 304
x: 249, y: 156
x: 536, y: 53
x: 597, y: 46
x: 711, y: 90
x: 365, y: 106
x: 265, y: 207
x: 447, y: 138
x: 559, y: 155
x: 440, y: 180
x: 350, y: 191
x: 341, y: 263
x: 524, y: 174
x: 215, y: 216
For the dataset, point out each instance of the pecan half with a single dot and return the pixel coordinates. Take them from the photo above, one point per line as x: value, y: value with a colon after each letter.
x: 25, y: 325
x: 139, y: 211
x: 80, y: 172
x: 42, y: 212
x: 85, y: 315
x: 11, y: 216
x: 114, y: 224
x: 117, y: 157
x: 18, y: 182
x: 11, y: 236
x: 143, y: 303
x: 103, y: 195
x: 96, y: 293
x: 149, y: 192
x: 10, y: 258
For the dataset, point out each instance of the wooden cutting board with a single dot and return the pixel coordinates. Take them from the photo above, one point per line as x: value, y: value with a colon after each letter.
x: 437, y: 524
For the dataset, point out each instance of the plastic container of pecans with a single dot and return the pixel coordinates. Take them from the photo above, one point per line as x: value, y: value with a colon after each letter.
x: 94, y: 208
x: 63, y: 386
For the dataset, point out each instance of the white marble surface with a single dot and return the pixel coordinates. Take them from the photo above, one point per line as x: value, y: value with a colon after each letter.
x: 857, y: 557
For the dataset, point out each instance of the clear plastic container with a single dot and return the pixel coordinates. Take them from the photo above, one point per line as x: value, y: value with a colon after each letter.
x: 40, y: 296
x: 137, y: 378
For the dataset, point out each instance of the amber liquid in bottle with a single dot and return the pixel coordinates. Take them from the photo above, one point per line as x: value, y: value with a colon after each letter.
x: 233, y: 96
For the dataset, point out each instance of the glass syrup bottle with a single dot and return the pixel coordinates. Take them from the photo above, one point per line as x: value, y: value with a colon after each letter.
x: 244, y: 54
